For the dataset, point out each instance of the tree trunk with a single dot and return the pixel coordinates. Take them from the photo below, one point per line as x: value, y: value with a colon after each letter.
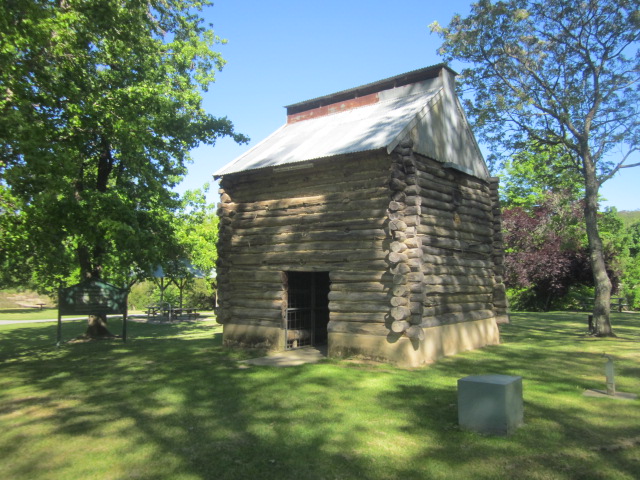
x: 97, y: 327
x: 601, y: 280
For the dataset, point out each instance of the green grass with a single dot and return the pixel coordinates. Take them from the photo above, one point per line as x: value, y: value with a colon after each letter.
x: 172, y: 403
x: 26, y: 314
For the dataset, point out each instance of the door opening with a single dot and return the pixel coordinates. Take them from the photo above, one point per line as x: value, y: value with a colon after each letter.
x: 307, y: 308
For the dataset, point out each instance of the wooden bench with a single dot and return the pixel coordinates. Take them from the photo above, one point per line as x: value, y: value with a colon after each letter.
x: 37, y: 305
x: 616, y: 304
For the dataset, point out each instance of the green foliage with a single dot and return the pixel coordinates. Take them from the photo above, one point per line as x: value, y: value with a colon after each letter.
x: 101, y: 105
x: 533, y: 173
x: 198, y: 293
x: 631, y: 278
x: 530, y: 300
x: 559, y: 73
x: 198, y: 229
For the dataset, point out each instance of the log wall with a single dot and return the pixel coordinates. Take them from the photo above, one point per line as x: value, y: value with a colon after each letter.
x: 331, y: 217
x: 446, y: 229
x: 410, y: 246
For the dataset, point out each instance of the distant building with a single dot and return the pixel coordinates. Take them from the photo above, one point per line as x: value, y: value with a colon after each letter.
x: 369, y: 222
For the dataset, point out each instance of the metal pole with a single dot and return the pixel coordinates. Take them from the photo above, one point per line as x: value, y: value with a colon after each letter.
x: 59, y: 335
x: 611, y: 381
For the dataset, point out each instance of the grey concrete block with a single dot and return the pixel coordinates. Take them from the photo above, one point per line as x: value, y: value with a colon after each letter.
x: 490, y: 404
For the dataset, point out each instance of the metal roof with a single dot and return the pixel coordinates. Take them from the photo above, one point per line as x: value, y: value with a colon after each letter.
x: 420, y: 105
x: 360, y: 129
x: 396, y: 81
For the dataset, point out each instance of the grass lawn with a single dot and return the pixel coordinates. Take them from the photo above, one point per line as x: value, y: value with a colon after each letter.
x: 172, y: 403
x: 25, y: 314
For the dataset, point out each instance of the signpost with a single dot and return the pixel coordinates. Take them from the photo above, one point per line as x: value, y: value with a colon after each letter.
x: 92, y: 297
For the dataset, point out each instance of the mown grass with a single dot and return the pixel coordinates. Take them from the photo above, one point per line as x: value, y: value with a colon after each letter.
x: 172, y: 403
x: 28, y: 314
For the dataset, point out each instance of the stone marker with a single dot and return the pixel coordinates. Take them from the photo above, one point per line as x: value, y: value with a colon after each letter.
x: 490, y: 404
x: 611, y: 384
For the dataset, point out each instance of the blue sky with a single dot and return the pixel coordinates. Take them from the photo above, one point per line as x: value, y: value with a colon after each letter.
x: 282, y: 52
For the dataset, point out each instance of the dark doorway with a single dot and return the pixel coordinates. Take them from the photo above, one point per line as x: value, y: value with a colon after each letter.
x: 307, y: 308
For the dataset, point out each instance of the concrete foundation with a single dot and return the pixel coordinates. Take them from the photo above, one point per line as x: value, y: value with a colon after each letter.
x: 253, y: 336
x: 400, y: 350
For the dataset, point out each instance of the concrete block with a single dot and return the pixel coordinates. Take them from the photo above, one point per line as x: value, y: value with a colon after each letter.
x: 490, y: 404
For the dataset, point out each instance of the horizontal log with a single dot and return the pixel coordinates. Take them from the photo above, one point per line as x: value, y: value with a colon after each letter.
x: 462, y: 271
x: 397, y: 225
x: 466, y: 225
x: 438, y: 260
x: 258, y: 304
x: 448, y: 243
x: 309, y: 219
x: 302, y: 257
x: 251, y: 275
x: 328, y: 172
x: 348, y: 276
x: 435, y: 172
x: 358, y: 307
x: 399, y: 235
x: 395, y: 257
x: 351, y: 296
x: 399, y: 301
x: 456, y: 194
x: 443, y: 298
x: 248, y: 239
x: 456, y: 308
x: 457, y: 280
x: 289, y: 204
x: 266, y: 190
x: 400, y: 326
x: 395, y: 184
x: 451, y: 318
x: 361, y: 287
x: 253, y: 322
x: 400, y: 290
x: 249, y: 313
x: 398, y: 247
x: 340, y: 224
x: 416, y: 332
x: 360, y: 317
x: 400, y: 313
x: 347, y: 244
x: 432, y: 201
x: 361, y: 328
x: 413, y: 210
x: 400, y: 268
x: 457, y: 289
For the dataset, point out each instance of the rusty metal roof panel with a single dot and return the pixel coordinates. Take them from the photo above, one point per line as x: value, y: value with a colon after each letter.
x: 368, y: 127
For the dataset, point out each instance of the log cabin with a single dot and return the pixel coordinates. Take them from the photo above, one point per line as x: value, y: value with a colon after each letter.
x: 369, y: 223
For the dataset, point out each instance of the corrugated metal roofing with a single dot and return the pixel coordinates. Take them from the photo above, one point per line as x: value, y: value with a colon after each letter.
x: 396, y: 81
x: 360, y: 129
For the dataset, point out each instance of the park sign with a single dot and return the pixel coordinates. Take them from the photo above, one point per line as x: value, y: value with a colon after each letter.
x: 92, y: 297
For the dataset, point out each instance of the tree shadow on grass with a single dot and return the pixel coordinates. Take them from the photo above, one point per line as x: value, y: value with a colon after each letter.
x: 185, y: 400
x: 174, y: 404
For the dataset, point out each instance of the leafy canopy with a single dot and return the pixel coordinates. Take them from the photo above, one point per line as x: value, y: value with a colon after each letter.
x: 556, y: 72
x: 100, y: 105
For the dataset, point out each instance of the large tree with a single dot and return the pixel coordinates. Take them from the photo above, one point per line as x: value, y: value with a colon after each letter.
x: 100, y: 105
x: 559, y: 73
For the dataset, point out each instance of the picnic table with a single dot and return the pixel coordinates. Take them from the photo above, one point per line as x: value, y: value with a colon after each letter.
x: 166, y: 310
x: 617, y: 303
x: 190, y: 312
